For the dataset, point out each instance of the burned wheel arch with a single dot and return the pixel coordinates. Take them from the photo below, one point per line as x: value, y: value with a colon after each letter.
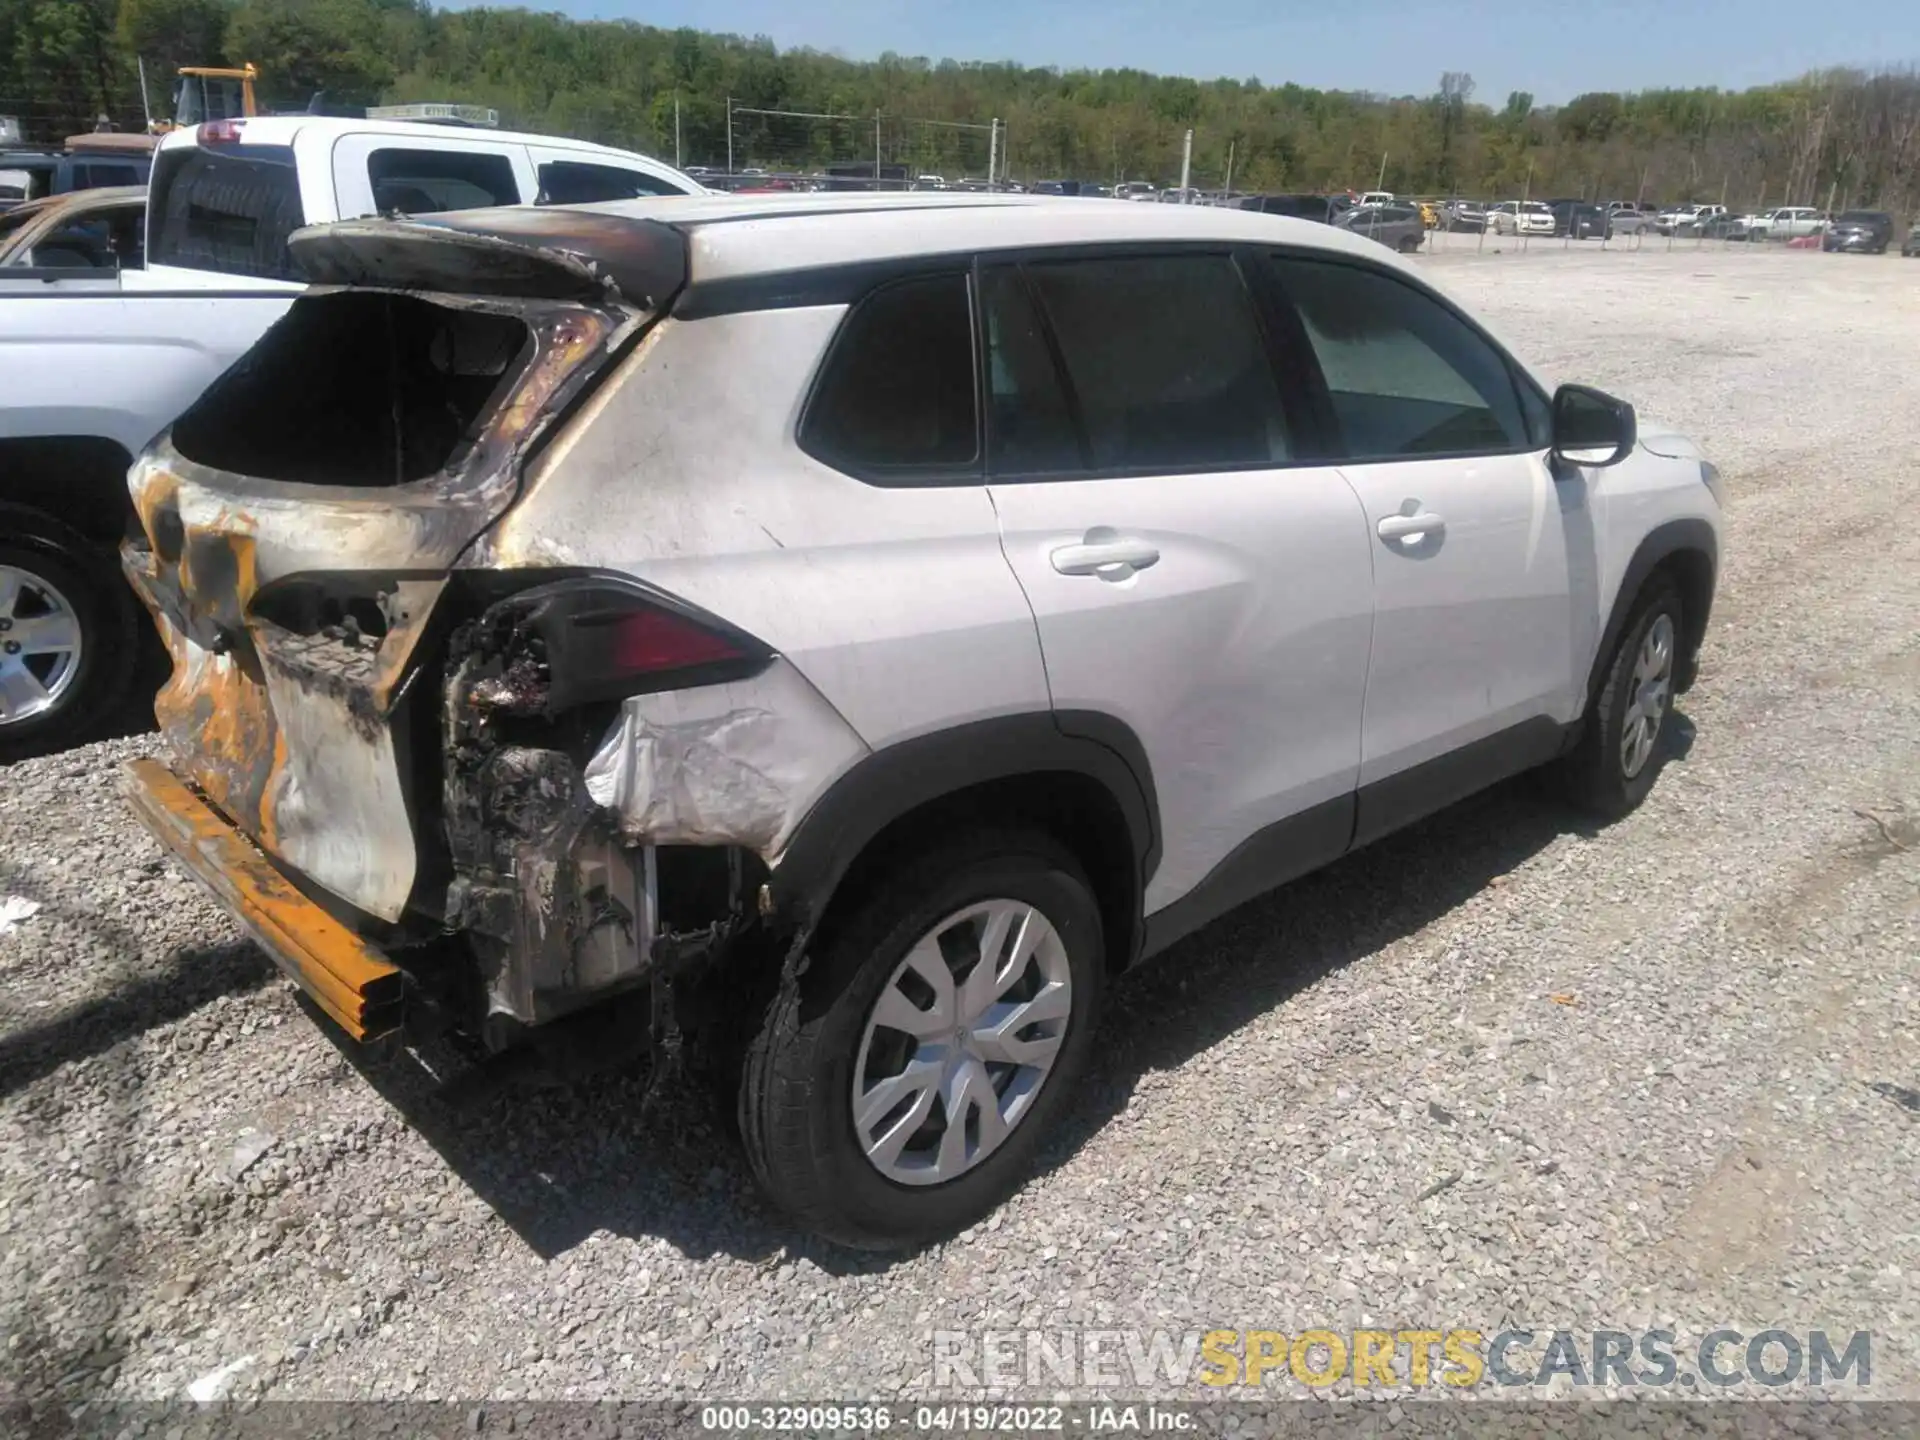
x: 1082, y: 774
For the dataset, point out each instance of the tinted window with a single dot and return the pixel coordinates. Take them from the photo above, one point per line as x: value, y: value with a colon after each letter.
x: 1407, y: 376
x: 896, y: 398
x: 424, y: 182
x: 568, y: 182
x: 229, y: 210
x: 1030, y: 429
x: 1164, y: 361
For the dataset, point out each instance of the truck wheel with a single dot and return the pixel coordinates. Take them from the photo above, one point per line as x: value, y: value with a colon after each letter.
x: 899, y: 1089
x: 67, y: 648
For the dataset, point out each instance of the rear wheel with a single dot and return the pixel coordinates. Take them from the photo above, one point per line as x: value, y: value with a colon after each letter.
x: 1620, y: 750
x: 898, y: 1092
x: 67, y: 633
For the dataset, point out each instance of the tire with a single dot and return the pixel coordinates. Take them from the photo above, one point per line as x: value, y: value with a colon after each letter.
x: 46, y: 572
x: 1410, y: 245
x: 1598, y: 775
x: 797, y: 1093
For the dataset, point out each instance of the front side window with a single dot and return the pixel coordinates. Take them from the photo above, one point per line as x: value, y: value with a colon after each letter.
x: 572, y: 182
x: 895, y: 403
x: 428, y: 182
x: 1164, y: 362
x: 1406, y: 376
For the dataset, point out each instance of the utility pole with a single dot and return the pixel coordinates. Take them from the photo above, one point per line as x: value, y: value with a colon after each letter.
x: 729, y: 135
x: 146, y: 108
x: 1186, y: 167
x: 678, y: 162
x: 876, y: 149
x: 1381, y: 183
x: 1230, y: 149
x: 993, y: 149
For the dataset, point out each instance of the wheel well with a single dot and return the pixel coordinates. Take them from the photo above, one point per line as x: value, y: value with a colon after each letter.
x: 1075, y: 809
x: 80, y: 480
x: 1692, y: 572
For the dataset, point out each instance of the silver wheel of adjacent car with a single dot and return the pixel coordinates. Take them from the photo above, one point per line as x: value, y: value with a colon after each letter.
x: 40, y: 644
x: 1652, y: 689
x: 960, y: 1042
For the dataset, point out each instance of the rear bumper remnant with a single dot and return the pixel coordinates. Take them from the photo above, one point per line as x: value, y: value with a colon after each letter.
x: 347, y: 978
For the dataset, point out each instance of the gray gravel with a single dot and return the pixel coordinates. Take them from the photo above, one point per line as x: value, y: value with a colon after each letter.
x: 1357, y: 1103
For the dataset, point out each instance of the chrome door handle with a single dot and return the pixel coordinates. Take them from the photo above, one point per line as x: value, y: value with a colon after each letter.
x: 1105, y: 553
x: 1411, y: 529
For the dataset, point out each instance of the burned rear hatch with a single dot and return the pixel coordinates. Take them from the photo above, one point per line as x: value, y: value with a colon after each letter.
x: 301, y: 519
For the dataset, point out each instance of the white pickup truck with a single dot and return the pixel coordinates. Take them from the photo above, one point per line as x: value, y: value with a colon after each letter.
x: 93, y: 366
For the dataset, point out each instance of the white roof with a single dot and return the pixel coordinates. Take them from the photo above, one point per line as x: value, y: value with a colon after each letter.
x: 281, y: 130
x: 735, y: 235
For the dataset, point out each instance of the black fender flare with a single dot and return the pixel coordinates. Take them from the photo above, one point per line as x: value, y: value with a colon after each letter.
x: 898, y: 779
x: 1662, y: 543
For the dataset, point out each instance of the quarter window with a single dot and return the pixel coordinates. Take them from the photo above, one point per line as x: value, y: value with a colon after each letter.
x: 896, y: 401
x: 1164, y: 362
x: 1407, y: 377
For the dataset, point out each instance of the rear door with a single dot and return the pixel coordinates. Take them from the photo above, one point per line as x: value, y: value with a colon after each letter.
x: 1480, y: 556
x: 1196, y: 570
x: 573, y: 177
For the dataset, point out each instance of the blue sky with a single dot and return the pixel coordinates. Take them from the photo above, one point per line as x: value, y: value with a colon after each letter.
x: 1554, y: 48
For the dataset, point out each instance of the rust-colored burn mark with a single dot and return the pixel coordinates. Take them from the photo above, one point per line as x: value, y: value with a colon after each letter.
x: 353, y: 983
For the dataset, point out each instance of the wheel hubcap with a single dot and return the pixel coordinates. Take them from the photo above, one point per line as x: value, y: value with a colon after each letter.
x: 39, y: 645
x: 1652, y: 689
x: 960, y: 1042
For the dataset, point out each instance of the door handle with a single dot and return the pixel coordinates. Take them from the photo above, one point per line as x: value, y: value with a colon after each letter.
x: 1105, y: 553
x: 1412, y: 529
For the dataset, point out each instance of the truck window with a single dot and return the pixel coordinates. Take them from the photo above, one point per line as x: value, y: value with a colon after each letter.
x: 226, y: 209
x: 426, y: 182
x: 574, y: 182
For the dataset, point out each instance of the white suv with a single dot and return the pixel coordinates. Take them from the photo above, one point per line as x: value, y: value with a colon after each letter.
x: 845, y: 631
x: 1520, y: 217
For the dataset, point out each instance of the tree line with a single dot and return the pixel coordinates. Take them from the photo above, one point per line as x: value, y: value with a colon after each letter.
x: 1840, y: 137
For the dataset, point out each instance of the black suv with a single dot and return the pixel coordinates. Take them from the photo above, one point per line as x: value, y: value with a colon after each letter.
x: 1867, y: 232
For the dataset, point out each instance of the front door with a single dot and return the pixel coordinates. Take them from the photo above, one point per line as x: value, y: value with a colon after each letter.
x: 1193, y: 571
x: 1479, y: 552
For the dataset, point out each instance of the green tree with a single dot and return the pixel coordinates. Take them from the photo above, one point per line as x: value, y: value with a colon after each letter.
x: 303, y: 46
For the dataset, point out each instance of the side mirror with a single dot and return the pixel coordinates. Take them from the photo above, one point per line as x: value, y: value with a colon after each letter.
x: 1592, y: 428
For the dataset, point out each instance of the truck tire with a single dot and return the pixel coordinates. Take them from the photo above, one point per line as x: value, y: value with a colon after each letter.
x: 67, y: 636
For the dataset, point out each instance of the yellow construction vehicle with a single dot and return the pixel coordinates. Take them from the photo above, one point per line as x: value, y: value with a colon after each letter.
x: 208, y: 92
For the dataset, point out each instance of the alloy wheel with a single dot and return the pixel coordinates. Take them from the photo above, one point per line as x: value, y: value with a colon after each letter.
x: 1652, y: 689
x: 960, y: 1042
x: 40, y: 644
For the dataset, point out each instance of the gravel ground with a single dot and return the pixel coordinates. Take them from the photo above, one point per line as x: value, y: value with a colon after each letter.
x: 1493, y: 1071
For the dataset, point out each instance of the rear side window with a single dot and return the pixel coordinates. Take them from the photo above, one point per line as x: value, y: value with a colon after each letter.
x: 1164, y: 362
x: 1407, y: 376
x: 895, y: 403
x: 571, y: 182
x: 427, y: 182
x: 228, y: 210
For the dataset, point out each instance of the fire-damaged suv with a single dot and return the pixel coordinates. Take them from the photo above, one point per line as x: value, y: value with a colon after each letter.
x: 835, y: 634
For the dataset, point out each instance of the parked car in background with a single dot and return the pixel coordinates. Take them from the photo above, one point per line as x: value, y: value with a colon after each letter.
x: 1910, y: 247
x: 1301, y: 207
x: 1396, y: 226
x: 1687, y: 219
x: 1135, y: 190
x: 1629, y: 217
x: 1862, y: 232
x: 499, y: 747
x: 1787, y: 222
x: 1376, y: 197
x: 1579, y: 220
x: 1520, y: 217
x: 1469, y: 216
x: 94, y: 231
x: 1176, y: 196
x: 87, y: 379
x: 89, y: 162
